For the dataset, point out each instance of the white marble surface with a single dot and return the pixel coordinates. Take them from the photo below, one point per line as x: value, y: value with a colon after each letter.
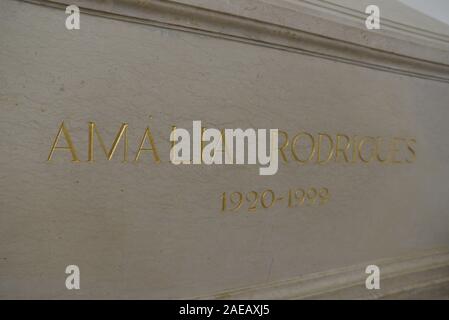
x: 155, y: 231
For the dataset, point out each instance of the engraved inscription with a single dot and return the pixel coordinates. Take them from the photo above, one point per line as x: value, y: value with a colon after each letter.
x: 252, y: 201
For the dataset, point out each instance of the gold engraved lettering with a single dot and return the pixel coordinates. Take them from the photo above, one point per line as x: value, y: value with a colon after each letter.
x: 153, y: 148
x: 122, y: 132
x: 294, y: 143
x: 70, y: 146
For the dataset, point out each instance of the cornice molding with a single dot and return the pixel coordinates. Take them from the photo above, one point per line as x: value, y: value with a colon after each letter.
x: 388, y: 25
x: 399, y: 276
x: 259, y: 23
